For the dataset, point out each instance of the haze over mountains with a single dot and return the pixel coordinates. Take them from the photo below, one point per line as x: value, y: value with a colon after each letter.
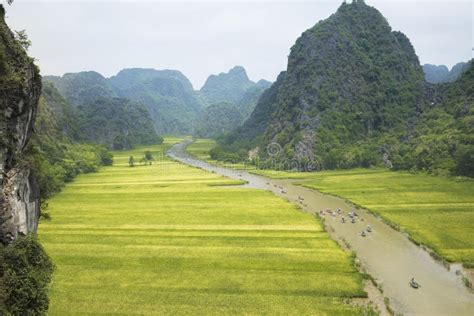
x: 173, y: 105
x: 441, y: 73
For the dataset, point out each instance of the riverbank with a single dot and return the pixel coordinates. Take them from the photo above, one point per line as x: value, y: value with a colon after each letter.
x: 167, y: 238
x: 389, y: 256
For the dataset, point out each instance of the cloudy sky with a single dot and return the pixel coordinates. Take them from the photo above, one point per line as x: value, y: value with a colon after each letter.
x: 199, y: 38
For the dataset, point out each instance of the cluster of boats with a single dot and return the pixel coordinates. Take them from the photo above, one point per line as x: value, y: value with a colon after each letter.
x: 353, y: 217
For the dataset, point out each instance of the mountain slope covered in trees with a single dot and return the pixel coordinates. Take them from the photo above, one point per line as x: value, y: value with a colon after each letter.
x: 173, y: 104
x: 229, y: 87
x: 116, y: 124
x: 229, y: 99
x: 218, y: 118
x: 55, y: 153
x: 354, y: 95
x: 167, y: 94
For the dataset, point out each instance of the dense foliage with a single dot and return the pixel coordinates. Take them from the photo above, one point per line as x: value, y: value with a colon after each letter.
x: 354, y: 95
x: 25, y: 273
x: 217, y: 119
x: 54, y: 153
x: 167, y: 94
x: 116, y: 124
x: 229, y: 87
x: 170, y: 99
x: 230, y: 98
x: 83, y: 87
x: 441, y: 73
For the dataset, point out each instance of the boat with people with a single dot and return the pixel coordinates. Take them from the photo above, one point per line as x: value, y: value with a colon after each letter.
x: 414, y: 284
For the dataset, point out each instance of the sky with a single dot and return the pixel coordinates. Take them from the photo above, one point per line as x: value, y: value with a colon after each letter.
x: 202, y: 38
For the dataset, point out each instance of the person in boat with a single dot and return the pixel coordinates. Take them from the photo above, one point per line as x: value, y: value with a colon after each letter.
x: 369, y: 229
x: 343, y: 220
x: 414, y: 284
x: 362, y: 233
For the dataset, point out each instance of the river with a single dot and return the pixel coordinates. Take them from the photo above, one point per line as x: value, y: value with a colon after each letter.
x: 385, y: 253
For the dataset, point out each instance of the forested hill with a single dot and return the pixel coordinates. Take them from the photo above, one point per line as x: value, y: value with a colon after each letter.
x: 229, y: 87
x: 229, y: 99
x: 353, y: 95
x: 441, y: 73
x: 168, y: 95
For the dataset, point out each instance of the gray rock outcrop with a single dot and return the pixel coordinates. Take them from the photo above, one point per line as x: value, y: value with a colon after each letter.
x: 20, y: 88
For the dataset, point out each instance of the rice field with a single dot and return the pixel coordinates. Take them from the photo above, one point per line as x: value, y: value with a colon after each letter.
x: 171, y: 239
x: 435, y: 211
x: 200, y: 149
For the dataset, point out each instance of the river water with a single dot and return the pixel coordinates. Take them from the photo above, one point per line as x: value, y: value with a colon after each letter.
x: 386, y: 254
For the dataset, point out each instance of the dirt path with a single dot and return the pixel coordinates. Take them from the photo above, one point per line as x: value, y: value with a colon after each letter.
x: 386, y: 254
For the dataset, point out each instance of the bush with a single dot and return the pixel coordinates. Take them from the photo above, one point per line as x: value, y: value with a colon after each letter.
x: 25, y: 273
x: 55, y: 164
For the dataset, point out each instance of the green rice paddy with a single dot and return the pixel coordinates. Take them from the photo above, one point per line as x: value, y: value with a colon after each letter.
x: 435, y: 211
x: 171, y: 239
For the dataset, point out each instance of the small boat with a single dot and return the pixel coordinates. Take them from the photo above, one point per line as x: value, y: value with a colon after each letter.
x: 414, y: 284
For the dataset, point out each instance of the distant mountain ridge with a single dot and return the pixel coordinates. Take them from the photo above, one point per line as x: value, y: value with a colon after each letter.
x: 229, y: 99
x: 441, y: 73
x: 229, y: 87
x: 173, y: 104
x: 167, y: 94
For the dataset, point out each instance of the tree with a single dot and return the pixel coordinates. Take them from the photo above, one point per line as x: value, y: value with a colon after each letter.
x: 131, y: 161
x: 25, y: 273
x: 22, y: 38
x: 148, y: 157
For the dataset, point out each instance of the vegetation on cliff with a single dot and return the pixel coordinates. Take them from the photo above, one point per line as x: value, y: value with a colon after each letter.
x: 25, y: 268
x: 55, y: 154
x: 354, y: 95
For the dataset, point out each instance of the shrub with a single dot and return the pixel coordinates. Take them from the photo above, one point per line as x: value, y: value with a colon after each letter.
x: 25, y: 273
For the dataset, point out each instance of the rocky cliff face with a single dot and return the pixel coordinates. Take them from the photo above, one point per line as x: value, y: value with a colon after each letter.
x: 349, y: 79
x: 20, y: 88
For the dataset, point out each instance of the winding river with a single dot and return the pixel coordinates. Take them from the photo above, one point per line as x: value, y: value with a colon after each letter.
x: 386, y: 254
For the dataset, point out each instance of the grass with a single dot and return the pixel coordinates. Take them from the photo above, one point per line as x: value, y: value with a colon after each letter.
x: 200, y: 149
x: 171, y: 239
x: 435, y: 211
